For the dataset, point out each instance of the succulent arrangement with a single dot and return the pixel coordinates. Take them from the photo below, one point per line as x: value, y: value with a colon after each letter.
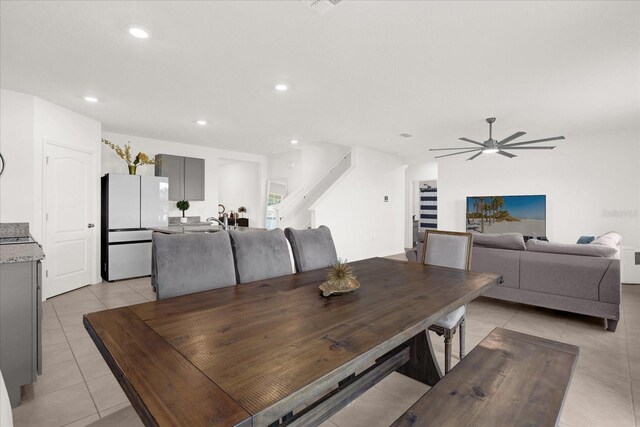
x: 340, y: 279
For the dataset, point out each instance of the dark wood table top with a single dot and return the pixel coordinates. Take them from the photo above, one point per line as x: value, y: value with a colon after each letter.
x: 253, y: 352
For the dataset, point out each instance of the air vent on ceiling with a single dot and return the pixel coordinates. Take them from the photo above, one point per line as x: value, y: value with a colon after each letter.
x: 321, y: 6
x: 406, y: 135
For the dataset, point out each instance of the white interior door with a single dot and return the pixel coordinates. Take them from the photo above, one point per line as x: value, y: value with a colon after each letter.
x: 69, y: 217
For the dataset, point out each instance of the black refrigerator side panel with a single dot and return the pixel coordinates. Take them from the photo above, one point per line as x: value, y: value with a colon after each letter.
x: 104, y: 227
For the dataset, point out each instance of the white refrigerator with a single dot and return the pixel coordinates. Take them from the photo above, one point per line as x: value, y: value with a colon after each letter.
x: 131, y: 205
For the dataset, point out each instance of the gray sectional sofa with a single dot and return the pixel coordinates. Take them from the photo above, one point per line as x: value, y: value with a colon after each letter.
x: 583, y: 279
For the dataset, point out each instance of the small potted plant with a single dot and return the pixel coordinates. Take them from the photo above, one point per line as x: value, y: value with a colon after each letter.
x: 183, y: 205
x: 242, y: 221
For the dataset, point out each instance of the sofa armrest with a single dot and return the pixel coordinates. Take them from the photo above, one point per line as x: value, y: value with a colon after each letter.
x: 610, y: 286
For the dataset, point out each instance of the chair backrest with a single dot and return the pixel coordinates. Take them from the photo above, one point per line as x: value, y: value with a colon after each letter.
x: 260, y: 255
x: 188, y: 263
x: 447, y: 249
x: 312, y: 248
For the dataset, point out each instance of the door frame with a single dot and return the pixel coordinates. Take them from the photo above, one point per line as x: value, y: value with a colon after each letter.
x: 95, y: 202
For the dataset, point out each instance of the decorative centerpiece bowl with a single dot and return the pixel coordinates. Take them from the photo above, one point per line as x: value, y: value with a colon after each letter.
x: 340, y: 279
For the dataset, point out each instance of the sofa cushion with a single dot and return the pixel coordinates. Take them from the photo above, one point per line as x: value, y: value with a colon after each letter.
x: 562, y: 274
x: 590, y: 250
x: 498, y: 261
x: 513, y: 241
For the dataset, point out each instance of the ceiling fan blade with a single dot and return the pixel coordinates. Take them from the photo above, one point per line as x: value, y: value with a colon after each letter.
x: 472, y: 141
x: 530, y: 148
x: 511, y: 138
x: 461, y: 152
x: 475, y: 155
x: 509, y: 155
x: 457, y: 148
x: 533, y: 141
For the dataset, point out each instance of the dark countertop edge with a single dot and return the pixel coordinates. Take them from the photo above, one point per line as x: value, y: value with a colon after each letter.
x: 179, y: 229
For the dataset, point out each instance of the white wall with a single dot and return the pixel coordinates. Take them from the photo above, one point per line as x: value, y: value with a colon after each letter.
x: 111, y: 163
x: 240, y: 185
x: 363, y: 225
x: 16, y: 146
x: 287, y: 165
x: 304, y: 165
x: 415, y: 173
x: 28, y: 123
x: 592, y: 184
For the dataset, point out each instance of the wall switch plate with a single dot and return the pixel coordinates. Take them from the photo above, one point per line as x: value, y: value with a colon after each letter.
x: 386, y: 198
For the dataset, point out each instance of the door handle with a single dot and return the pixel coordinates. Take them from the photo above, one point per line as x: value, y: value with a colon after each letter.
x: 90, y: 225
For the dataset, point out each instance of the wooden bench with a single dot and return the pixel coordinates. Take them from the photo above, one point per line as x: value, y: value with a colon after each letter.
x: 509, y: 379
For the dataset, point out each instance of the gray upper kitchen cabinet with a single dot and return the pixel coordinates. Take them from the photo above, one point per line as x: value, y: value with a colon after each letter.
x: 186, y: 176
x: 173, y: 168
x: 193, y: 179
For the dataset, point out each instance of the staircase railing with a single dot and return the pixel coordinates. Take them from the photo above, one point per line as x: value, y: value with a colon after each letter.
x: 295, y: 203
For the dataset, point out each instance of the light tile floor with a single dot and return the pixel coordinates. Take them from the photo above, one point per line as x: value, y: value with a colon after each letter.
x: 77, y: 388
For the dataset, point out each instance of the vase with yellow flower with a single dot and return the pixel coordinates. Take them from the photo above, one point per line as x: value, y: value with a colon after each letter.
x: 125, y: 154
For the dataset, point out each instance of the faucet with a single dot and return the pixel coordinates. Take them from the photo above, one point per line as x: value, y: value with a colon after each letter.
x: 225, y: 224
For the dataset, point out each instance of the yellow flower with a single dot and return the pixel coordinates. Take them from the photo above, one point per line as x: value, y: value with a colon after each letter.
x: 125, y: 154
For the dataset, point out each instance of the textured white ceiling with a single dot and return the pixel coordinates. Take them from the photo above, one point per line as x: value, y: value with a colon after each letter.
x: 359, y: 75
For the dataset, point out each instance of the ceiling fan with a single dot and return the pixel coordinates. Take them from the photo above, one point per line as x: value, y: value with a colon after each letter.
x: 491, y: 145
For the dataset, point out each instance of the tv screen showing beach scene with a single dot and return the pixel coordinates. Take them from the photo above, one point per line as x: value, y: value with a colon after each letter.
x: 508, y: 214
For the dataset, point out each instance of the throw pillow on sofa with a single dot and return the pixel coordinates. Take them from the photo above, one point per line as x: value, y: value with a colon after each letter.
x: 513, y: 241
x: 591, y: 249
x: 610, y: 238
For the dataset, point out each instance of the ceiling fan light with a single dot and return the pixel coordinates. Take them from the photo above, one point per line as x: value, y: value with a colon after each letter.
x: 490, y: 150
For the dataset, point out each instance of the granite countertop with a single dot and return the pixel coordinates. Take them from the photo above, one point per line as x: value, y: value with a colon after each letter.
x: 202, y: 228
x: 21, y: 252
x: 14, y: 229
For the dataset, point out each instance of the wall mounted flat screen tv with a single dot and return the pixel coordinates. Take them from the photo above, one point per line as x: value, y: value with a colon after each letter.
x: 508, y: 214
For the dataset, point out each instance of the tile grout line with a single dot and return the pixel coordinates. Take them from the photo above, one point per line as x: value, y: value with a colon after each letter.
x: 136, y: 291
x: 399, y: 398
x: 77, y: 364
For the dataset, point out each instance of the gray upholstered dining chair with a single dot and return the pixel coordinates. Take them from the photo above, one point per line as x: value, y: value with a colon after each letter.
x: 312, y: 248
x: 449, y: 249
x: 260, y: 255
x: 188, y: 263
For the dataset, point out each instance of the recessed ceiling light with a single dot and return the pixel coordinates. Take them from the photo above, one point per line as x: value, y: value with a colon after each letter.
x: 294, y: 142
x: 138, y: 32
x: 201, y: 122
x: 281, y: 87
x: 91, y: 99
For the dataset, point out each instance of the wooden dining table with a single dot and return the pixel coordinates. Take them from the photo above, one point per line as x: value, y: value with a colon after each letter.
x: 276, y: 352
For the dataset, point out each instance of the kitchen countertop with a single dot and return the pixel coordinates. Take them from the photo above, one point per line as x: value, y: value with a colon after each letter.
x: 21, y: 252
x: 208, y: 228
x: 14, y: 229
